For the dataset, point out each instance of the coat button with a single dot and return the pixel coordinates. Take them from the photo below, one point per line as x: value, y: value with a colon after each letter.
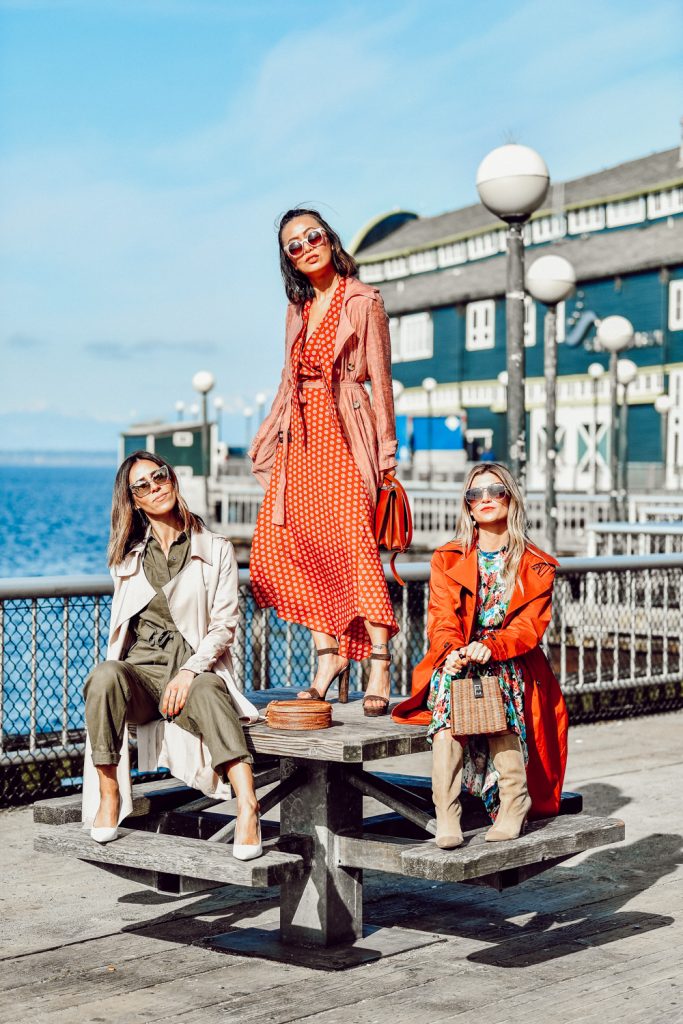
x: 351, y: 366
x: 356, y: 405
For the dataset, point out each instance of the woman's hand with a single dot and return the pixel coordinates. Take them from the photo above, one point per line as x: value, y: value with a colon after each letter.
x: 454, y: 662
x: 175, y: 694
x: 476, y: 652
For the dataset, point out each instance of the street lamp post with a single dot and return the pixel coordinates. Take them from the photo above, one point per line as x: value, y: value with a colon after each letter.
x: 664, y: 405
x: 428, y: 386
x: 180, y: 409
x: 512, y: 182
x: 203, y: 382
x: 550, y: 279
x: 614, y: 333
x: 219, y: 405
x: 627, y: 372
x: 248, y: 413
x: 595, y: 371
x: 260, y: 400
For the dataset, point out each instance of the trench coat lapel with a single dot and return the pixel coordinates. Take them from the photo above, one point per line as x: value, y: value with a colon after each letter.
x: 136, y: 590
x: 536, y: 575
x: 346, y: 330
x: 464, y: 571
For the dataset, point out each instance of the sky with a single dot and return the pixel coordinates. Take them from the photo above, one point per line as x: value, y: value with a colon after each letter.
x: 147, y: 148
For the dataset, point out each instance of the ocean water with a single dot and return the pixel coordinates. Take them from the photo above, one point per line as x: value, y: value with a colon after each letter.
x: 54, y: 520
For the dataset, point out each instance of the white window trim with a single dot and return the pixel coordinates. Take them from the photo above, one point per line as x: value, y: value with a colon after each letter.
x: 587, y: 218
x: 478, y: 338
x: 676, y: 305
x: 626, y: 211
x: 407, y: 346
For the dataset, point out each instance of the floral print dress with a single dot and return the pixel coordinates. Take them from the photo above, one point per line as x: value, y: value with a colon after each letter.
x: 479, y: 774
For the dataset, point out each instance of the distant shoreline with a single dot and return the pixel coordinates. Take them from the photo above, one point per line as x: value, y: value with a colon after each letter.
x: 56, y: 460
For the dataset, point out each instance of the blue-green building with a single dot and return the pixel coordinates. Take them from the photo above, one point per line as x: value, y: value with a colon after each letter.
x: 443, y: 283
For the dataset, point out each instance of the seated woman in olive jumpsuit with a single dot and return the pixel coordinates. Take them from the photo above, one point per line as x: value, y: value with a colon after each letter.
x: 166, y: 563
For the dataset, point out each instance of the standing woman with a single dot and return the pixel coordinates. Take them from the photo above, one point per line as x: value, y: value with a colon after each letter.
x: 490, y: 604
x: 173, y: 620
x: 322, y: 453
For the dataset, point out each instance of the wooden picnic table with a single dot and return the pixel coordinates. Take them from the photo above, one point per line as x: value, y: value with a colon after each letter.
x: 175, y: 842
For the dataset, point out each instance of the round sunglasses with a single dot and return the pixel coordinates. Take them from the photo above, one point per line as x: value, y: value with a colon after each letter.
x: 473, y: 495
x: 143, y: 486
x: 314, y: 238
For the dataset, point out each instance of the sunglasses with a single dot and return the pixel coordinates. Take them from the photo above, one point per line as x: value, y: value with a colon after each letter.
x: 314, y: 238
x: 143, y: 486
x: 473, y: 495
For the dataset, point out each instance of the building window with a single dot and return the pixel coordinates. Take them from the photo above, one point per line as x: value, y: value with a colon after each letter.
x: 546, y: 229
x: 450, y: 255
x: 662, y: 204
x: 590, y: 218
x: 480, y: 325
x: 489, y: 244
x: 395, y: 268
x: 412, y: 337
x: 420, y: 262
x: 676, y: 305
x: 626, y: 211
x: 371, y: 272
x: 529, y: 321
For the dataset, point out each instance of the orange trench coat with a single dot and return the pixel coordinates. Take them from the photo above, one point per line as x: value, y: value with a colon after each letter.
x: 450, y: 624
x: 362, y: 352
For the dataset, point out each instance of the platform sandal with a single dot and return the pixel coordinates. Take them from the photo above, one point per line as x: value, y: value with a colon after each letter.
x: 380, y: 705
x: 342, y: 676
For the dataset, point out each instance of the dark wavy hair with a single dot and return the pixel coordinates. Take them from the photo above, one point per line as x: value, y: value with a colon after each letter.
x: 297, y: 285
x: 128, y: 523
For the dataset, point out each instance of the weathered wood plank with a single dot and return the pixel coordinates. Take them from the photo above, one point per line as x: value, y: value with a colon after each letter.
x: 352, y: 738
x: 545, y: 840
x: 148, y: 798
x: 283, y: 859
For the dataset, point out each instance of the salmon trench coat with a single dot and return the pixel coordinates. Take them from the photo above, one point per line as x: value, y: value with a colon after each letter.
x: 450, y: 624
x: 362, y: 352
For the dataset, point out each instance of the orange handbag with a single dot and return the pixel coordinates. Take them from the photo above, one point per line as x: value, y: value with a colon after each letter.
x: 393, y: 521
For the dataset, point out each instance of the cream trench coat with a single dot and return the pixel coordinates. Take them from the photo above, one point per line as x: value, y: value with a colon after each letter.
x: 202, y: 600
x: 362, y: 352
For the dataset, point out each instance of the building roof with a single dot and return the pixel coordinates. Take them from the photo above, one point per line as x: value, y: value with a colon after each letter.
x: 600, y: 255
x: 635, y: 176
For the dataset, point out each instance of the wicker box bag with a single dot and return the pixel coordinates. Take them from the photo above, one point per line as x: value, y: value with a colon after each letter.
x: 477, y: 706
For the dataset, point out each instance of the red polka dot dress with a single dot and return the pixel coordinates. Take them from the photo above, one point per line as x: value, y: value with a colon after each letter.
x: 322, y: 567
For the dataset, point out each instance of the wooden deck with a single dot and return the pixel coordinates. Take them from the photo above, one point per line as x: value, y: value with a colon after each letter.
x: 596, y: 939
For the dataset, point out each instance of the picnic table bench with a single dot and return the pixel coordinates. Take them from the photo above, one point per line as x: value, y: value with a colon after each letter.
x: 175, y: 842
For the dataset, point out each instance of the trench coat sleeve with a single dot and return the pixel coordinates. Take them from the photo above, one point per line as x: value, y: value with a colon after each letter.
x: 264, y: 445
x: 444, y: 625
x: 222, y: 615
x: 526, y: 627
x: 378, y: 356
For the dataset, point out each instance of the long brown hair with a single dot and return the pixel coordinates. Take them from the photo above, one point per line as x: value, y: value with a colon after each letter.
x: 297, y: 285
x: 517, y: 535
x: 128, y: 523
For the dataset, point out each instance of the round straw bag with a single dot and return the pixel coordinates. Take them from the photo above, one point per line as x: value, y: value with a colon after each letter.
x: 298, y: 715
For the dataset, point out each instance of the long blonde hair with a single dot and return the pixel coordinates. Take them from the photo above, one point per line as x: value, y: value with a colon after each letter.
x: 517, y: 535
x: 128, y: 523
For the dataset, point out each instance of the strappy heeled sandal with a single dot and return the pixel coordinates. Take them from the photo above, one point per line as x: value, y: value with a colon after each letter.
x: 380, y: 705
x: 342, y: 685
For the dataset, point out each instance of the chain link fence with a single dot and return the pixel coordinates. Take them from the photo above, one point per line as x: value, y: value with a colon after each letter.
x: 614, y: 643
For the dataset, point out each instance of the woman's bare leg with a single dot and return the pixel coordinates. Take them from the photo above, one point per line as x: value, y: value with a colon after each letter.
x: 241, y: 778
x: 379, y: 683
x: 329, y: 665
x: 110, y: 799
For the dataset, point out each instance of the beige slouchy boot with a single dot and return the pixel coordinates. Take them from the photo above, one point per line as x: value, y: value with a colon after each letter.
x: 508, y: 760
x: 446, y: 784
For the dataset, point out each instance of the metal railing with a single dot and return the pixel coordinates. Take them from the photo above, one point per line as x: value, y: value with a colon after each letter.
x: 644, y: 538
x: 617, y: 624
